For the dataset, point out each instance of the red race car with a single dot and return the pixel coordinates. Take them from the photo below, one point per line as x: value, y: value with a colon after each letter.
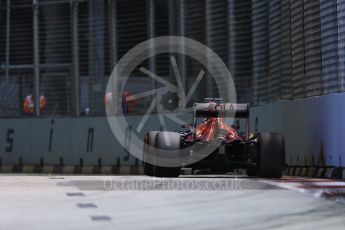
x: 212, y: 146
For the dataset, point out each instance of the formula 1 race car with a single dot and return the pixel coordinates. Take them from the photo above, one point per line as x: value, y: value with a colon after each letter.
x: 261, y: 154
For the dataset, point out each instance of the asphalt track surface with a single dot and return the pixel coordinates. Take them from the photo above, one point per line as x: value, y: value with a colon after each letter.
x: 139, y: 202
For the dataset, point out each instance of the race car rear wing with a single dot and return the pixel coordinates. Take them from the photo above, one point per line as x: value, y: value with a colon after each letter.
x: 214, y: 109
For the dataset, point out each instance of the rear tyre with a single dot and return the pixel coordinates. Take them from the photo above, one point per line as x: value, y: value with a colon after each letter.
x: 271, y: 155
x: 174, y: 140
x: 252, y: 172
x: 150, y: 140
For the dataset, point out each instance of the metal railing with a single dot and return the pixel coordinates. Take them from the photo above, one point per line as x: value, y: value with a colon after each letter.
x: 65, y: 50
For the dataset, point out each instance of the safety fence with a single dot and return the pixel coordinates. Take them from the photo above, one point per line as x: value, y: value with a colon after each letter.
x: 59, y: 54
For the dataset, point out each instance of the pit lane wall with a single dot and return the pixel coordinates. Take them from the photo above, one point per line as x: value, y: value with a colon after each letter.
x: 313, y: 130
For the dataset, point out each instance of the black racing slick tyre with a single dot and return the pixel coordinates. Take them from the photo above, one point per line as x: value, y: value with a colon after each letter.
x: 252, y: 172
x: 150, y: 140
x: 271, y: 155
x: 174, y: 140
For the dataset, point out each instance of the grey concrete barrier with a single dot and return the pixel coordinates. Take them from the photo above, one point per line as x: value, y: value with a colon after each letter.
x: 304, y: 171
x: 311, y: 172
x: 321, y: 173
x: 329, y: 173
x: 316, y: 172
x: 337, y: 173
x: 297, y: 171
x: 68, y: 141
x: 78, y: 170
x: 60, y: 141
x: 313, y: 128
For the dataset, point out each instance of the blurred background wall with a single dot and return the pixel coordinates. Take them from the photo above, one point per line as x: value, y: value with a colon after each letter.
x: 281, y: 53
x: 66, y: 49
